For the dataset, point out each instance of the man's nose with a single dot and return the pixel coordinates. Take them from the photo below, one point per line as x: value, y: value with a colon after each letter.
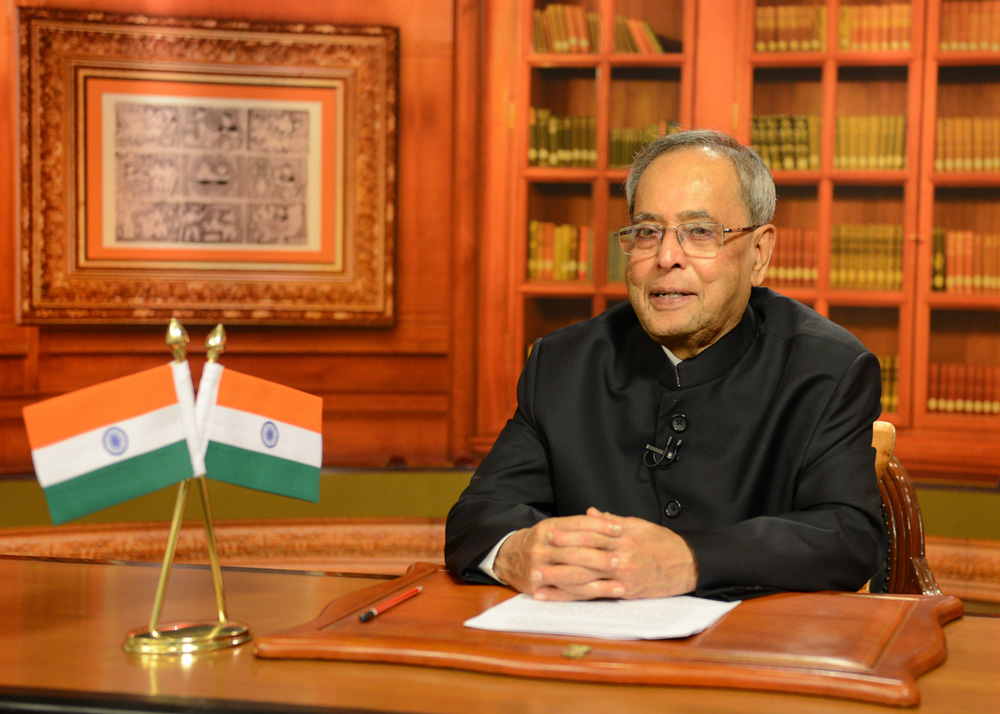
x: 670, y: 252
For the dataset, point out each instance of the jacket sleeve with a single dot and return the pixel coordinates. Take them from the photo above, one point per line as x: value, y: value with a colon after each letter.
x: 510, y: 490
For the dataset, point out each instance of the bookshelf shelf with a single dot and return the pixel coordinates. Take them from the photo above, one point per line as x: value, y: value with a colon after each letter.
x: 796, y: 178
x: 866, y: 298
x: 879, y: 177
x: 545, y: 174
x: 944, y: 301
x: 966, y: 59
x: 615, y: 290
x: 557, y: 289
x: 966, y: 179
x: 631, y: 60
x: 778, y: 60
x: 550, y: 60
x: 874, y: 59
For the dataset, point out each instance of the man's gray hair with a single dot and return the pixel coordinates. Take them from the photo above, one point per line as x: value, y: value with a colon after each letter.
x: 756, y: 184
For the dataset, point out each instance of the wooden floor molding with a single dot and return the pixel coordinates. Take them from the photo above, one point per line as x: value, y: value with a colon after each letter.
x: 966, y: 568
x: 384, y: 545
x: 969, y: 569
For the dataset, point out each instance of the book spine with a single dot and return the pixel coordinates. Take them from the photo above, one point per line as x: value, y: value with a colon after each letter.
x: 933, y: 386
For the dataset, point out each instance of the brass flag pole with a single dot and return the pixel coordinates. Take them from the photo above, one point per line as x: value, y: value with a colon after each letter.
x: 189, y: 637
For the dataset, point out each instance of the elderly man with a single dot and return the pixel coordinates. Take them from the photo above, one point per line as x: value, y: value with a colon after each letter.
x: 708, y: 437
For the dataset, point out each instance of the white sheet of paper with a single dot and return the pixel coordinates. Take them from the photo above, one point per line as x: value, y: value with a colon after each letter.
x: 648, y: 619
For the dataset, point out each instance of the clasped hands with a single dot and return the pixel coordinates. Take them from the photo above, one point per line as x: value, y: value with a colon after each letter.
x: 597, y: 555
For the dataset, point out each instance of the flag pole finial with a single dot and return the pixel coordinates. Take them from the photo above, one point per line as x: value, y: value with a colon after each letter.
x: 215, y: 343
x: 177, y: 339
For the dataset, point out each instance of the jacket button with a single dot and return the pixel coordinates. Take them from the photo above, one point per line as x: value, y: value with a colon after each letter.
x: 673, y: 509
x: 678, y: 422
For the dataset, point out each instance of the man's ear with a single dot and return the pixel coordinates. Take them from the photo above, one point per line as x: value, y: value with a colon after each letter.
x: 763, y: 245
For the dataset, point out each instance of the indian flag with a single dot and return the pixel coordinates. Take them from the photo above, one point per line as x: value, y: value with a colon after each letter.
x: 259, y: 434
x: 117, y: 440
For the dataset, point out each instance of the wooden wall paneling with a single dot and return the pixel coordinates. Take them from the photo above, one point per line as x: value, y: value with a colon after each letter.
x: 496, y: 369
x: 392, y: 396
x: 468, y: 168
x: 717, y: 66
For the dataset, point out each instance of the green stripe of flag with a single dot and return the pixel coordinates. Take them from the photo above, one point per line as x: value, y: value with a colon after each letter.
x: 118, y: 482
x: 262, y: 472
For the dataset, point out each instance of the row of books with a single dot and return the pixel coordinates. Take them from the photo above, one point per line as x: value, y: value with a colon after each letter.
x: 626, y: 143
x: 863, y: 27
x: 792, y: 141
x: 558, y: 251
x: 616, y: 259
x: 561, y: 141
x: 793, y: 262
x: 963, y: 388
x: 874, y: 27
x: 571, y: 28
x: 970, y: 26
x: 890, y: 382
x: 633, y: 35
x: 965, y: 262
x: 566, y: 28
x: 572, y: 141
x: 870, y: 142
x: 967, y: 144
x: 787, y: 141
x: 790, y: 28
x: 866, y: 256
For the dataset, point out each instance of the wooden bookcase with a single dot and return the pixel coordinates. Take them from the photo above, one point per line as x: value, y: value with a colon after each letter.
x: 843, y: 204
x: 617, y: 90
x: 847, y: 221
x: 959, y: 325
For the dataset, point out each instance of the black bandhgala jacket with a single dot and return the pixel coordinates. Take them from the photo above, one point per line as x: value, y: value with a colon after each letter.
x: 765, y: 468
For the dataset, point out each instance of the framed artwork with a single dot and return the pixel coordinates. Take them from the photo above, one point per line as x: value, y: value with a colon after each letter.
x: 208, y: 170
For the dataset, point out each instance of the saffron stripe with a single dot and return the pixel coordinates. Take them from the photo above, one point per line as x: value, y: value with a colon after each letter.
x: 80, y: 454
x: 262, y: 472
x: 98, y: 406
x: 274, y: 401
x: 246, y: 431
x: 119, y: 482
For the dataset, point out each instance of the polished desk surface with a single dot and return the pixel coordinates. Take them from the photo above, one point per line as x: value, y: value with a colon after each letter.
x: 62, y: 625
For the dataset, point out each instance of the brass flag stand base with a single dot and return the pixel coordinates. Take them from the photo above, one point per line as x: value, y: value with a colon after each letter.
x: 189, y: 637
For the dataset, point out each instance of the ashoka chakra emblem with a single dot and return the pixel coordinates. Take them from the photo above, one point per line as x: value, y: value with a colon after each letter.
x: 269, y: 434
x: 115, y: 441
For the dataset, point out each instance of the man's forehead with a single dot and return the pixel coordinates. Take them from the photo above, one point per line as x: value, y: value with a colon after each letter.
x: 690, y: 214
x: 712, y: 160
x: 706, y: 154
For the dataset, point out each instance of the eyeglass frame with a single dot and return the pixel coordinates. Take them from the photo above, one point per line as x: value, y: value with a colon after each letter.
x: 680, y: 241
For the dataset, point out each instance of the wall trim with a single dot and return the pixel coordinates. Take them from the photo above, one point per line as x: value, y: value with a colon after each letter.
x: 967, y: 568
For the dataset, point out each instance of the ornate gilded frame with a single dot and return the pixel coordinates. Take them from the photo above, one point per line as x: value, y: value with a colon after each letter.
x: 146, y: 189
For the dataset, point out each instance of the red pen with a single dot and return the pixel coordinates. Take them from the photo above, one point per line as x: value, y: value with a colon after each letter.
x: 376, y: 610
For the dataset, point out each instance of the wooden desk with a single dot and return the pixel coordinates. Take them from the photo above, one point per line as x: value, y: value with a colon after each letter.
x: 62, y: 624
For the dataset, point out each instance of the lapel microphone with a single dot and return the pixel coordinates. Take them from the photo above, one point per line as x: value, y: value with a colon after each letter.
x: 655, y: 457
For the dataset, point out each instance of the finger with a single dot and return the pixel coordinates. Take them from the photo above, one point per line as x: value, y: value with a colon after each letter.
x: 563, y: 576
x: 610, y: 518
x: 593, y: 590
x: 600, y: 557
x: 583, y: 524
x: 559, y: 538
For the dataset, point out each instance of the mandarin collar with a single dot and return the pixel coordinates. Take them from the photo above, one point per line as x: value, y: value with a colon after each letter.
x: 709, y: 364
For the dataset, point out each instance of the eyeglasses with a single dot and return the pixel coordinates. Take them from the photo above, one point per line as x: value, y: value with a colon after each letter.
x: 698, y: 240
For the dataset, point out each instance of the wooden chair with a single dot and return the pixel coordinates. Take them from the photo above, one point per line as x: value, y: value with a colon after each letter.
x: 906, y: 569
